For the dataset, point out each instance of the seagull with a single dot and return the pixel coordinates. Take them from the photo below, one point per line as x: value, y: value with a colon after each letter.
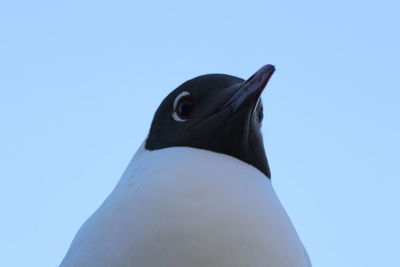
x: 198, y: 190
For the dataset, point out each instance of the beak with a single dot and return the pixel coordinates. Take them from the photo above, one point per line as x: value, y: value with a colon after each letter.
x: 251, y: 89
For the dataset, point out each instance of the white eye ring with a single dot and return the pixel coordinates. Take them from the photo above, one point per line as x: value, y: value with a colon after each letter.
x: 175, y: 116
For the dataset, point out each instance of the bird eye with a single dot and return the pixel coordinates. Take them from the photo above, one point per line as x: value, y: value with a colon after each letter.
x: 183, y: 107
x: 260, y: 116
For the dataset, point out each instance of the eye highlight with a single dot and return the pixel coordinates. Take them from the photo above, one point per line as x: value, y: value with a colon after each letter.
x: 183, y: 107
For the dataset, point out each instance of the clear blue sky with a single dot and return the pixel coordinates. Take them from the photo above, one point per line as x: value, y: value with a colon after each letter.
x: 80, y: 81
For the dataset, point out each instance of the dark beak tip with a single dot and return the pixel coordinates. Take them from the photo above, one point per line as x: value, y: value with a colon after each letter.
x: 260, y: 79
x: 269, y: 67
x: 267, y: 70
x: 254, y: 86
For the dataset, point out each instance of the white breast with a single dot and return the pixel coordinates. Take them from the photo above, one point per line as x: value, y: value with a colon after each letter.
x: 188, y: 207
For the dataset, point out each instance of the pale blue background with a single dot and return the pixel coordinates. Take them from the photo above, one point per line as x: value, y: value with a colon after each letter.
x: 80, y: 81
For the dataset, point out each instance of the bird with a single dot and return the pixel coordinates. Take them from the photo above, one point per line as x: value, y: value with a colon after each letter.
x: 198, y: 190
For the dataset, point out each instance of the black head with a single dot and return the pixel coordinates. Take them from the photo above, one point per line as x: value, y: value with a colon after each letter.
x: 216, y: 112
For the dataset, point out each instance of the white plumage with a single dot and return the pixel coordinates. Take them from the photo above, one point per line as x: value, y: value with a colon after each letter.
x: 182, y: 206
